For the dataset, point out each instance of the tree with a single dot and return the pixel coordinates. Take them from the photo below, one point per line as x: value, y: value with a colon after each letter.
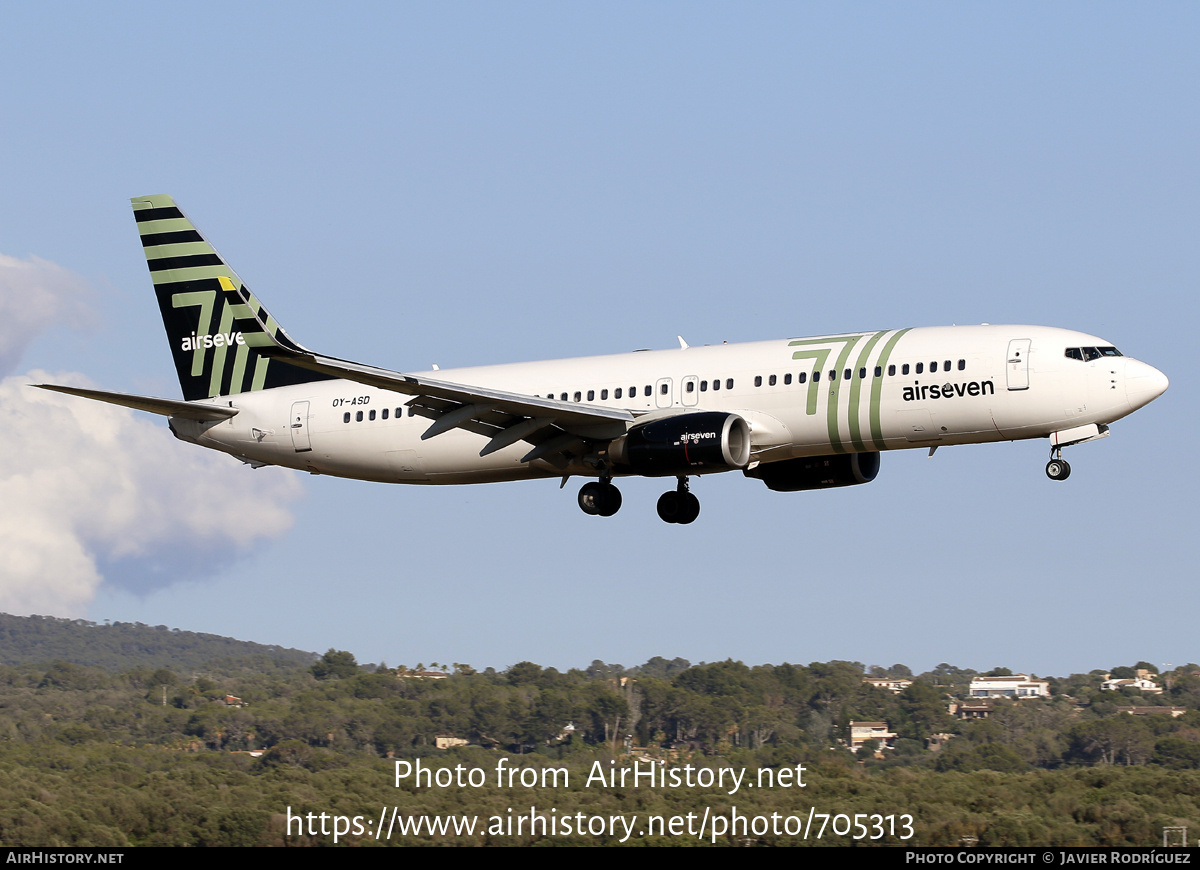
x: 335, y: 665
x: 923, y: 712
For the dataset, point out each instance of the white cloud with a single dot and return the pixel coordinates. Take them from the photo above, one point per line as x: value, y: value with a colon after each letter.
x: 92, y: 493
x: 36, y: 294
x: 84, y: 484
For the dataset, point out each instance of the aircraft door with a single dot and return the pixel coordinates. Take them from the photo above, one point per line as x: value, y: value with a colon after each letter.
x: 1018, y: 364
x: 691, y: 391
x: 299, y: 427
x: 662, y: 393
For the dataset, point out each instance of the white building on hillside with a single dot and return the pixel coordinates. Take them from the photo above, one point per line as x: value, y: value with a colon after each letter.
x: 1016, y: 686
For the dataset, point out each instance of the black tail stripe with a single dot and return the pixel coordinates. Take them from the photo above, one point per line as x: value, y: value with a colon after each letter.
x: 165, y: 263
x: 151, y: 239
x: 156, y: 214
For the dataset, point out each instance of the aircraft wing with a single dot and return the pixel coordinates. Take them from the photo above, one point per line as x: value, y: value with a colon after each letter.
x: 166, y: 407
x: 555, y: 429
x: 552, y: 426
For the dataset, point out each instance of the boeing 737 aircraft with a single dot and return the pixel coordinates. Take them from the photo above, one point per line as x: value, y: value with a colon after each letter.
x: 797, y: 414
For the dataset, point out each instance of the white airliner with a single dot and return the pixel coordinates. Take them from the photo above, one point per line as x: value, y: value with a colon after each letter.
x: 797, y: 414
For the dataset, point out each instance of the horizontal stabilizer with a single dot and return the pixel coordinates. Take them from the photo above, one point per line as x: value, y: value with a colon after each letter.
x: 166, y: 407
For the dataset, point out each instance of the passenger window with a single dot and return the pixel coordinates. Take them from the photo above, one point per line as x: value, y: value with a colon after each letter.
x: 758, y: 380
x: 904, y: 369
x: 716, y: 384
x: 603, y: 395
x: 384, y: 413
x: 846, y: 375
x: 878, y: 371
x: 802, y: 377
x: 771, y: 381
x: 729, y: 383
x: 920, y: 367
x: 358, y: 417
x: 933, y: 367
x: 891, y: 371
x: 649, y: 391
x: 862, y: 373
x: 962, y: 365
x: 946, y: 367
x: 617, y: 393
x: 833, y: 374
x: 704, y: 386
x: 691, y: 386
x: 662, y: 388
x: 816, y: 377
x: 563, y: 397
x: 578, y: 395
x: 399, y: 413
x: 412, y: 412
x: 591, y: 395
x: 787, y: 379
x: 371, y: 415
x: 346, y: 417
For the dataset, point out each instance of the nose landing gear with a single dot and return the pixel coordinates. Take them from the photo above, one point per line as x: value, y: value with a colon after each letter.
x: 1057, y: 468
x: 679, y: 506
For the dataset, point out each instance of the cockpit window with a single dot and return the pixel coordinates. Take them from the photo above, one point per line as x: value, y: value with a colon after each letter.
x: 1087, y: 354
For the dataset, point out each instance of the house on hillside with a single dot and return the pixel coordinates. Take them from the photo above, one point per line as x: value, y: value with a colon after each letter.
x: 1015, y: 686
x: 861, y: 732
x: 895, y: 686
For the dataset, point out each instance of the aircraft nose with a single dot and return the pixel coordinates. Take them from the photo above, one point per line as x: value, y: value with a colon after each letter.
x: 1143, y: 383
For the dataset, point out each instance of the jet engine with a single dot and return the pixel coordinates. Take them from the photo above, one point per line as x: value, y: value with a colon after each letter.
x: 684, y: 444
x: 817, y: 472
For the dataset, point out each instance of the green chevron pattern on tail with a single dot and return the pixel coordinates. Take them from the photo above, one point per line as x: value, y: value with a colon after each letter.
x: 209, y: 314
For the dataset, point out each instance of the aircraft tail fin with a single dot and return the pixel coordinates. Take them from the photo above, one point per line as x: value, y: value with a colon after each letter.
x: 214, y: 323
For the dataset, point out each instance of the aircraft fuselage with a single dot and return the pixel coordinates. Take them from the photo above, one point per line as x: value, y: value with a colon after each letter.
x: 853, y: 393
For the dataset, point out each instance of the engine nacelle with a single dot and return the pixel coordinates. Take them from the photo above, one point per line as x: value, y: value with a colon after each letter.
x: 684, y: 444
x: 817, y: 472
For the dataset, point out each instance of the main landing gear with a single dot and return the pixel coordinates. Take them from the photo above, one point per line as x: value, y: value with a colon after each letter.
x: 602, y: 499
x: 1057, y: 468
x: 679, y: 506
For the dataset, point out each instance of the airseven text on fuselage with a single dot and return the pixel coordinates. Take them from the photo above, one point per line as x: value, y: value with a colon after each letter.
x: 948, y: 391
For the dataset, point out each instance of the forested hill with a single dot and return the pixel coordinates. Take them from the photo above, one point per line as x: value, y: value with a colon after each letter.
x: 122, y: 646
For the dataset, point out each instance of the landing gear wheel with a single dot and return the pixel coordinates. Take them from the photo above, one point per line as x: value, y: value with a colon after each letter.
x: 589, y: 499
x: 679, y: 506
x: 610, y: 500
x: 689, y: 508
x: 599, y: 499
x: 1058, y: 469
x: 668, y: 507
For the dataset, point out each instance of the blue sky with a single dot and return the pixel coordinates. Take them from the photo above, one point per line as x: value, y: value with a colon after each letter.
x: 474, y: 183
